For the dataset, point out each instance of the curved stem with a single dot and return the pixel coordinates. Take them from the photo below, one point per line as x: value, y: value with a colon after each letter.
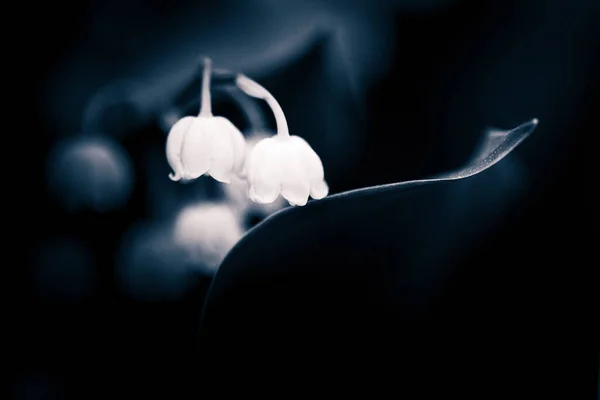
x: 281, y: 122
x: 252, y: 88
x: 205, y: 102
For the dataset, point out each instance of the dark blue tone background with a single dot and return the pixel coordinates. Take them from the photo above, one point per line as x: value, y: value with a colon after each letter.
x: 412, y: 105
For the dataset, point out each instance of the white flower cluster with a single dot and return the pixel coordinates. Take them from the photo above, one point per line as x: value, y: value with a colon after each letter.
x: 279, y: 165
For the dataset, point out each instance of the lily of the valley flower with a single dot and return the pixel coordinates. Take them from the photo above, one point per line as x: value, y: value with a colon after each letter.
x: 237, y: 191
x: 205, y: 144
x: 281, y: 164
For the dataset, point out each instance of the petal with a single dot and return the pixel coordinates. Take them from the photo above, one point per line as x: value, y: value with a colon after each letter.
x: 173, y: 147
x: 313, y: 165
x: 251, y: 143
x: 229, y: 150
x: 319, y: 190
x: 295, y: 186
x: 263, y: 193
x: 314, y: 168
x: 311, y: 159
x: 264, y: 162
x: 196, y: 149
x: 220, y: 172
x: 265, y: 171
x: 221, y: 157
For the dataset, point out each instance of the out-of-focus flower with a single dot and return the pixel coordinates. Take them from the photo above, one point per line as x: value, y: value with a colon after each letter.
x: 206, y: 232
x: 90, y: 172
x: 205, y: 144
x: 162, y: 261
x: 282, y: 164
x: 150, y: 266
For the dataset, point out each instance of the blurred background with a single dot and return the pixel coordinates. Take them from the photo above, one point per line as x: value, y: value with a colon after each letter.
x: 117, y: 258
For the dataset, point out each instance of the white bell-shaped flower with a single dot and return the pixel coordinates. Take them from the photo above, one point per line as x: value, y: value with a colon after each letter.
x: 285, y: 165
x: 237, y: 192
x: 282, y: 164
x: 205, y: 144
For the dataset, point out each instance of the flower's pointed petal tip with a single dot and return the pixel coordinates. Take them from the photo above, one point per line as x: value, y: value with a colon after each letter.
x: 319, y: 190
x: 220, y: 173
x: 295, y: 200
x: 222, y: 179
x: 188, y: 176
x: 260, y: 200
x: 266, y: 198
x: 296, y: 191
x: 175, y: 177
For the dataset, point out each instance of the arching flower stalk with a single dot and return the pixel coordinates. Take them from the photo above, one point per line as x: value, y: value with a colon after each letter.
x: 281, y: 164
x: 205, y: 144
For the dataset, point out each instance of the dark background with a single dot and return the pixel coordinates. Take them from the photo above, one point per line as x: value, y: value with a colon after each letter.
x: 453, y: 69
